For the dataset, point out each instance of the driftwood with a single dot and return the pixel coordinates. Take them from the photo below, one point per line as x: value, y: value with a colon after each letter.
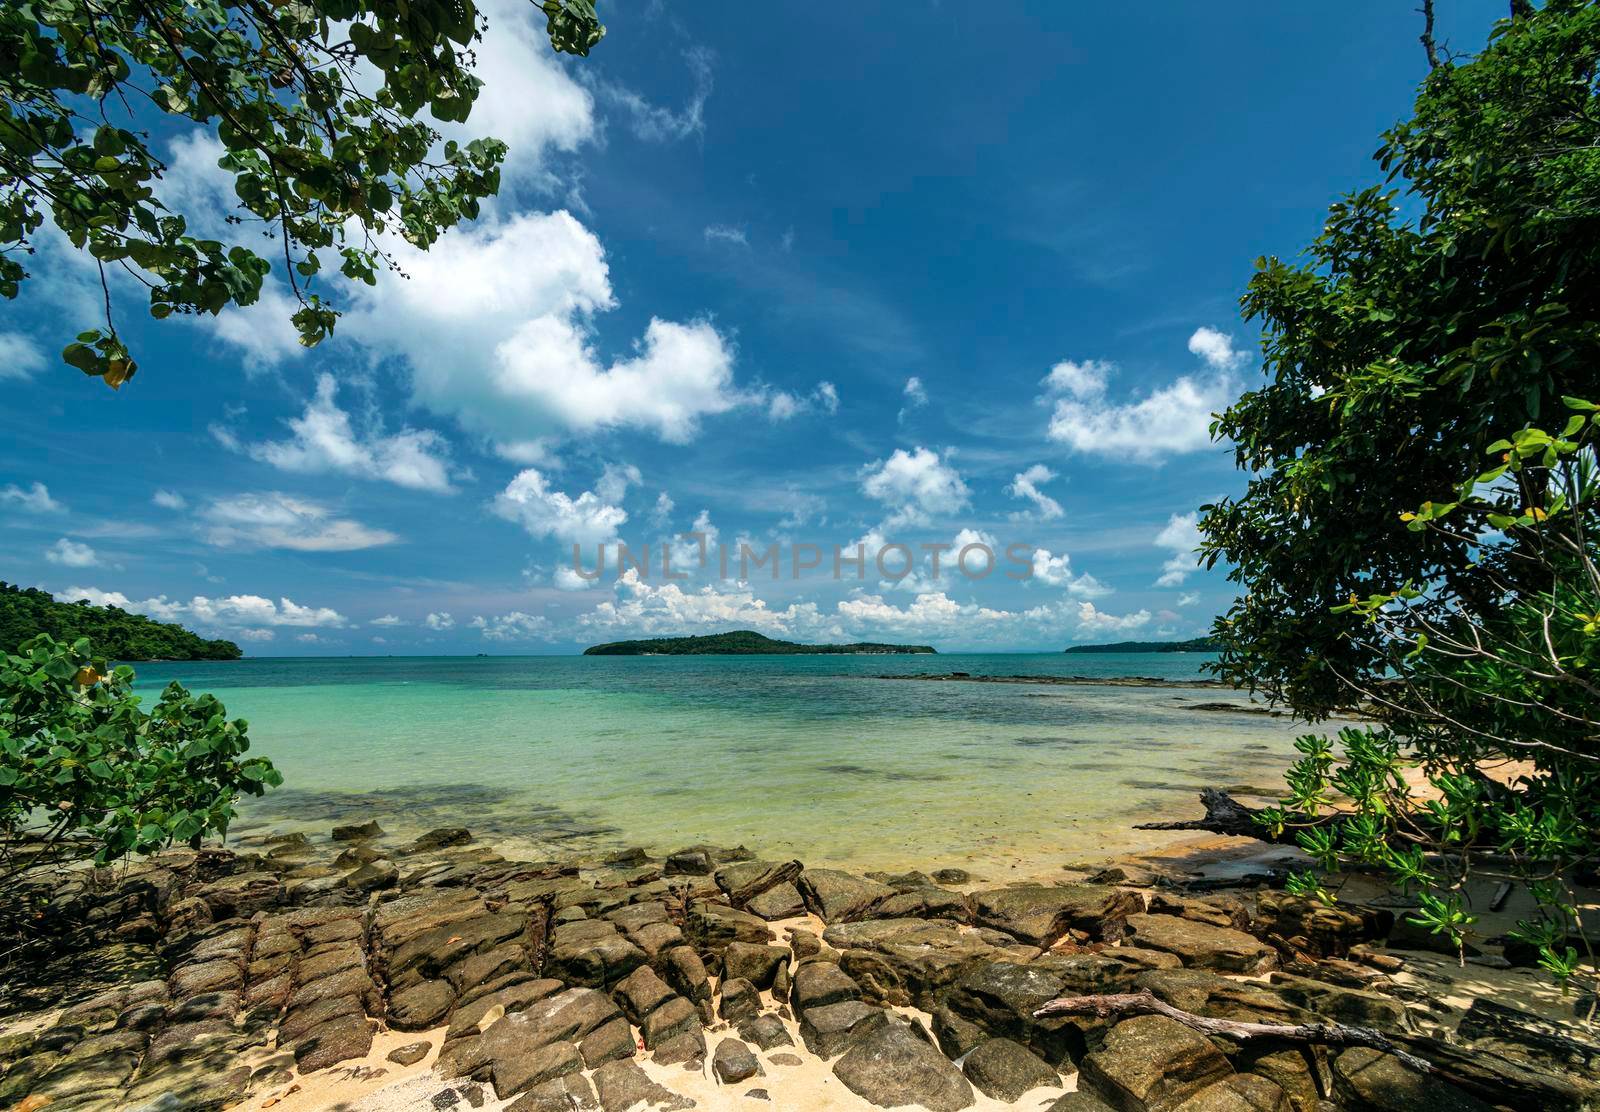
x: 1226, y: 815
x: 1147, y: 1003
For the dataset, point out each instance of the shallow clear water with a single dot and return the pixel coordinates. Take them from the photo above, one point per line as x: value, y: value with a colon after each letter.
x: 808, y: 756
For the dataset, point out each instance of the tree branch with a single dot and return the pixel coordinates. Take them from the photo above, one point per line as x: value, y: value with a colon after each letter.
x: 1427, y: 34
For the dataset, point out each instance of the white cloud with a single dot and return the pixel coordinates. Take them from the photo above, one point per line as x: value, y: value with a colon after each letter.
x: 1188, y: 598
x: 324, y: 440
x: 254, y: 634
x: 782, y: 405
x: 928, y: 614
x: 515, y: 626
x: 71, y: 554
x: 231, y: 611
x: 1056, y: 571
x: 439, y: 621
x: 387, y: 620
x: 641, y: 609
x: 309, y: 639
x: 586, y: 519
x: 662, y: 514
x: 274, y: 520
x: 169, y: 500
x: 828, y: 397
x: 1180, y: 535
x: 1216, y: 348
x: 20, y: 356
x: 656, y: 124
x: 614, y: 481
x: 1025, y: 484
x: 916, y: 486
x: 727, y: 233
x: 1170, y: 420
x: 1096, y: 623
x: 36, y: 499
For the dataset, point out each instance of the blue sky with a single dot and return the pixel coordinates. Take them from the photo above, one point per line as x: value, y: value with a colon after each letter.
x: 798, y: 275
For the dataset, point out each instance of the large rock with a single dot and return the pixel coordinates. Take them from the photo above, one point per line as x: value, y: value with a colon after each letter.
x: 1314, y: 927
x: 607, y: 1043
x: 1346, y: 1005
x: 563, y: 1094
x: 743, y: 881
x: 910, y: 961
x: 640, y: 993
x: 712, y: 926
x: 1242, y: 1092
x: 766, y: 1031
x: 781, y: 901
x: 682, y: 968
x: 1041, y: 913
x: 421, y: 1005
x: 830, y: 1029
x: 1201, y: 945
x: 1004, y: 1070
x: 1001, y: 997
x: 819, y: 983
x: 839, y: 897
x: 739, y: 1001
x: 622, y: 1086
x: 1151, y: 1064
x: 337, y: 1040
x: 526, y: 1067
x: 733, y: 1062
x: 892, y: 1066
x: 675, y: 1017
x: 591, y: 952
x: 754, y: 963
x: 1377, y: 1082
x: 565, y: 1017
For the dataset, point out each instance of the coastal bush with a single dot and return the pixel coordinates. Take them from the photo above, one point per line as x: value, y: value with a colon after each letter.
x: 87, y: 773
x: 120, y: 635
x: 1419, y: 533
x: 321, y: 110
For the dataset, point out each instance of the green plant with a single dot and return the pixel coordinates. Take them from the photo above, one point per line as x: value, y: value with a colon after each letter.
x: 1418, y: 536
x: 87, y: 772
x: 318, y: 104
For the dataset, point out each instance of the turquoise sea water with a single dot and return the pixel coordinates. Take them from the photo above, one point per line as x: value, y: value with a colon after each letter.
x: 808, y: 756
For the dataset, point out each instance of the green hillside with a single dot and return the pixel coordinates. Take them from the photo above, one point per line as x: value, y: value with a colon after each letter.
x: 116, y: 634
x: 1197, y: 645
x: 738, y: 642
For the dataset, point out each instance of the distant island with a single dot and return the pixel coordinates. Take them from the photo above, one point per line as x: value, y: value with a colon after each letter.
x: 1196, y: 645
x: 117, y: 635
x: 740, y: 642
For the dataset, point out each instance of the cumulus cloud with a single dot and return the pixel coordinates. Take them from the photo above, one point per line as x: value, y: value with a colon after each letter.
x: 229, y: 612
x: 1170, y: 420
x: 1056, y: 571
x: 643, y: 608
x: 543, y: 512
x: 35, y: 499
x: 1188, y: 598
x: 783, y: 405
x: 915, y: 485
x: 169, y: 500
x: 1181, y: 536
x: 387, y: 620
x: 20, y: 356
x: 727, y: 233
x: 1097, y: 623
x: 274, y: 520
x: 1025, y: 485
x: 71, y: 554
x: 439, y: 621
x: 515, y: 626
x: 324, y: 440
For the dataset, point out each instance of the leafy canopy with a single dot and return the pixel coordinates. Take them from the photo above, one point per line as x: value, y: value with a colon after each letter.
x: 1419, y: 534
x: 27, y: 611
x: 318, y: 103
x: 86, y: 771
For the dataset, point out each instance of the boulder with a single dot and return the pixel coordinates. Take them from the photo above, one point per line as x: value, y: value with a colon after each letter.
x: 1041, y: 913
x: 1201, y: 945
x: 956, y: 1035
x: 622, y: 1085
x: 1377, y: 1082
x: 712, y: 926
x: 733, y: 1062
x: 513, y: 998
x: 927, y: 902
x: 591, y: 952
x: 337, y: 1040
x: 420, y: 1006
x: 640, y: 993
x: 891, y: 1066
x: 357, y: 831
x: 674, y: 1017
x: 1000, y: 999
x: 1314, y: 927
x: 832, y: 1028
x: 739, y: 1000
x: 565, y: 1017
x: 1004, y: 1070
x: 743, y: 881
x: 766, y: 1031
x: 912, y: 961
x: 754, y: 963
x: 409, y: 1054
x: 836, y: 896
x: 1243, y: 1092
x: 1151, y: 1064
x: 819, y: 983
x: 607, y: 1043
x: 781, y: 901
x: 374, y: 876
x: 686, y: 1049
x: 682, y: 968
x: 1346, y: 1005
x: 524, y: 1067
x: 442, y: 838
x: 952, y: 876
x: 562, y: 1094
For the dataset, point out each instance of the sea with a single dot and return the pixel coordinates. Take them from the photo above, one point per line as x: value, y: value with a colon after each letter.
x: 811, y: 757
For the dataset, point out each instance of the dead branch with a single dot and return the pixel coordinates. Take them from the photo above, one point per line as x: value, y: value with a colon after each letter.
x: 1427, y: 34
x: 1147, y: 1003
x: 1226, y: 815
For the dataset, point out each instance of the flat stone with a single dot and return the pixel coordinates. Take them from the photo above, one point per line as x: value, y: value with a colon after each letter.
x: 622, y: 1086
x: 733, y: 1062
x: 1152, y: 1064
x: 781, y: 901
x: 1201, y: 945
x: 674, y: 1017
x: 832, y: 1028
x: 744, y: 880
x: 766, y: 1031
x: 374, y: 876
x: 570, y: 1093
x: 913, y: 961
x: 1243, y: 1092
x: 513, y: 998
x: 1004, y: 1070
x: 564, y: 1017
x: 640, y: 993
x: 410, y: 1054
x: 1041, y: 913
x: 302, y: 1019
x: 206, y: 976
x: 754, y: 963
x: 819, y: 983
x: 1379, y: 1082
x: 478, y: 969
x: 740, y: 1000
x: 357, y: 831
x: 524, y: 1067
x: 712, y: 926
x: 836, y: 896
x: 891, y: 1066
x: 1346, y: 1005
x: 337, y: 1040
x: 442, y: 838
x: 607, y: 1043
x: 591, y: 952
x: 687, y: 1050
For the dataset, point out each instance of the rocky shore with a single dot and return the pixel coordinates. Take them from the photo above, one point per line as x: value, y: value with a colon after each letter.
x: 359, y: 973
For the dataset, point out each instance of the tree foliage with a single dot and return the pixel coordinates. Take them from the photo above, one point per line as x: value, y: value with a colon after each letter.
x: 86, y: 771
x: 28, y: 611
x: 319, y: 105
x: 1419, y: 532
